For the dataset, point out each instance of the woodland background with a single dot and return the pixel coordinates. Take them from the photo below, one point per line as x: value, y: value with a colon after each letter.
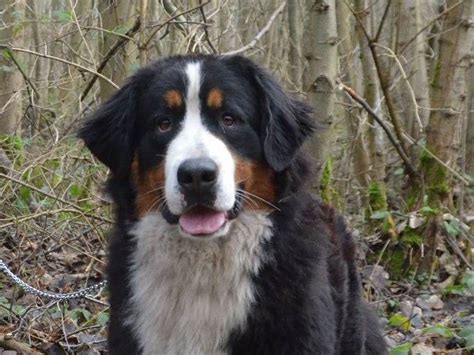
x: 392, y: 83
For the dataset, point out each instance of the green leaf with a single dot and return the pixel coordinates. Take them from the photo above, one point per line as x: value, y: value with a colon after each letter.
x: 121, y: 29
x: 428, y: 211
x: 6, y: 54
x: 75, y: 191
x: 467, y: 331
x: 103, y: 319
x: 468, y: 280
x: 455, y: 290
x: 411, y: 238
x: 380, y: 215
x: 439, y: 329
x: 403, y: 349
x: 469, y: 341
x: 25, y: 194
x: 64, y: 16
x: 468, y: 334
x: 451, y: 229
x: 80, y: 314
x: 399, y: 320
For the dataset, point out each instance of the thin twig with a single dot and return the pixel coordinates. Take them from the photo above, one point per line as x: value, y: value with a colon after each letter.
x: 115, y: 33
x: 36, y: 95
x: 159, y: 26
x: 36, y: 215
x: 431, y: 154
x: 381, y: 122
x: 405, y: 77
x: 445, y: 12
x: 262, y: 32
x: 382, y: 21
x: 27, y: 79
x: 120, y: 42
x: 57, y: 198
x: 385, y: 89
x: 42, y: 55
x: 206, y: 32
x: 76, y: 22
x: 22, y: 348
x: 392, y: 139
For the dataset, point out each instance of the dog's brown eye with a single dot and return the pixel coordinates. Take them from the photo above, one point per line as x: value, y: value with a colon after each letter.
x: 164, y: 125
x: 228, y: 120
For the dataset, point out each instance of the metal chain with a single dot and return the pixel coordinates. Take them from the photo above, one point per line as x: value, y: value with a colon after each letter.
x: 50, y: 295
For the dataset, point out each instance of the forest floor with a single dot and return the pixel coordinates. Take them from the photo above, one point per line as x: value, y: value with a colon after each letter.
x: 420, y: 318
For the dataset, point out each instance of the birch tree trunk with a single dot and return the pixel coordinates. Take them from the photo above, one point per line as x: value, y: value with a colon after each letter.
x: 115, y: 14
x: 320, y: 52
x: 374, y: 136
x: 469, y: 153
x: 361, y: 159
x: 10, y: 76
x: 447, y: 102
x: 411, y: 93
x: 295, y: 29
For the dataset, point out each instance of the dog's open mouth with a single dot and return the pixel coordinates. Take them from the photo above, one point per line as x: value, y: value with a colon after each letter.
x: 202, y: 221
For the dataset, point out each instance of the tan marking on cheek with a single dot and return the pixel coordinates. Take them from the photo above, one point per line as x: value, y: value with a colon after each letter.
x: 150, y: 188
x: 215, y: 99
x: 173, y: 99
x: 256, y: 179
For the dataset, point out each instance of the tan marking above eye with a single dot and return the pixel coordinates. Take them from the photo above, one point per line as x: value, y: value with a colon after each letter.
x: 173, y: 98
x: 215, y: 98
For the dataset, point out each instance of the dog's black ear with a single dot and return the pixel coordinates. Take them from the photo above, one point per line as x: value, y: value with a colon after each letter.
x: 108, y: 132
x: 286, y: 122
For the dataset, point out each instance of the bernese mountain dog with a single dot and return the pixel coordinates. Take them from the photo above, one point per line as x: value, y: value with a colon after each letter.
x: 219, y: 248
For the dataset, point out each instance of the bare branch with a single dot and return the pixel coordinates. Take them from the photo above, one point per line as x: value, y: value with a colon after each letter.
x: 405, y: 78
x: 381, y: 122
x: 206, y: 32
x: 382, y: 21
x: 259, y: 35
x: 120, y: 42
x: 9, y: 342
x: 57, y: 198
x: 159, y: 26
x: 445, y: 12
x: 42, y: 55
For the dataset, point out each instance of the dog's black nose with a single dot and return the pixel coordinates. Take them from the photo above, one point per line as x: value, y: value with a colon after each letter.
x: 197, y: 175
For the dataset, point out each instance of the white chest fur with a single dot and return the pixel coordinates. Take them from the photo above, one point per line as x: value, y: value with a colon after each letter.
x: 188, y: 295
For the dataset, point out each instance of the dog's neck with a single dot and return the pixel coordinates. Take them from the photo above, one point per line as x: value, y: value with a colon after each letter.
x: 199, y: 290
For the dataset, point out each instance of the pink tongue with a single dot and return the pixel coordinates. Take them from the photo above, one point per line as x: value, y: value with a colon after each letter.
x: 201, y: 221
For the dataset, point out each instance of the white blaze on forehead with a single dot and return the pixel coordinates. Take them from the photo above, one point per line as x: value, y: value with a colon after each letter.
x: 193, y: 104
x: 195, y: 141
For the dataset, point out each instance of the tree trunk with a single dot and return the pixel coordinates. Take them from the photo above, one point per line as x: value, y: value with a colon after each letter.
x: 470, y: 119
x: 295, y: 29
x: 411, y: 94
x: 320, y: 52
x: 11, y: 81
x: 361, y: 159
x: 374, y: 135
x: 447, y: 102
x: 114, y: 13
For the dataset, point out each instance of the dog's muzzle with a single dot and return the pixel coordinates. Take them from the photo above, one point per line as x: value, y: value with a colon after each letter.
x: 197, y: 179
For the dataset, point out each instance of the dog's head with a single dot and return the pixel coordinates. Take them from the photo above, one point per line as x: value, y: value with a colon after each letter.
x: 201, y: 138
